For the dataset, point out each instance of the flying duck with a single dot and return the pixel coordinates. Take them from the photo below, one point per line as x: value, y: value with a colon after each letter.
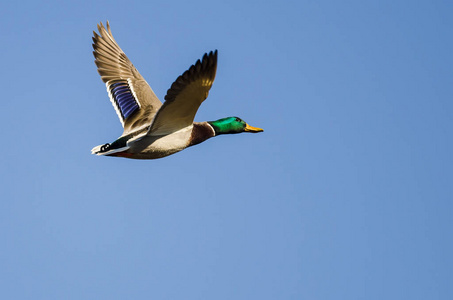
x: 152, y: 129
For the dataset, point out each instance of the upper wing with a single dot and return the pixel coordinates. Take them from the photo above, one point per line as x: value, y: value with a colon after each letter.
x: 133, y: 99
x: 185, y: 96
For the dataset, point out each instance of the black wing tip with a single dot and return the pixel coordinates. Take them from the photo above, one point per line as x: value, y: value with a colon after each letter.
x: 212, y: 55
x: 206, y: 66
x: 209, y: 60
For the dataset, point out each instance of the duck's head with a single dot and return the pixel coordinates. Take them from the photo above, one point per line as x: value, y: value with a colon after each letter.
x: 232, y: 125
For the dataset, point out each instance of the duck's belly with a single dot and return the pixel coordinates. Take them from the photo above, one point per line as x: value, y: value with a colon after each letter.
x: 151, y: 147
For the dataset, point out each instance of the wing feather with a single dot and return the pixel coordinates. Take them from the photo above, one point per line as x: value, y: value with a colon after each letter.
x: 185, y: 97
x: 133, y: 99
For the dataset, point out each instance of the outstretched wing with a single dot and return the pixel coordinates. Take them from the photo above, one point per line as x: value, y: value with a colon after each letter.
x: 133, y: 99
x: 185, y: 97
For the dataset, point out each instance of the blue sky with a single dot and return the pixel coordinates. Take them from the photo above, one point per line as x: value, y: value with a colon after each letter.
x: 346, y: 195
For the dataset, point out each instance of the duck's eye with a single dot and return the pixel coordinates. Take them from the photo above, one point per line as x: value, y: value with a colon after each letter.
x: 238, y: 120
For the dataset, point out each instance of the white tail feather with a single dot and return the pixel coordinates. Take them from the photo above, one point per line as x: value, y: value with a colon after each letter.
x: 96, y: 150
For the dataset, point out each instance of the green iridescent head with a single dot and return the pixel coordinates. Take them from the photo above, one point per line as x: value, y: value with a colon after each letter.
x: 232, y: 125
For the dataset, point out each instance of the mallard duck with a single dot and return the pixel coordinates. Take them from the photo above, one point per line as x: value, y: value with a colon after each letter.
x: 152, y: 129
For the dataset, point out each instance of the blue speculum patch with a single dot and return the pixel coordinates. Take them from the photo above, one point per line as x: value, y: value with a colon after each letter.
x: 124, y: 98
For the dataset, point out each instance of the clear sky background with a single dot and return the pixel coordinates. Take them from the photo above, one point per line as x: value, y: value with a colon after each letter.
x: 347, y: 194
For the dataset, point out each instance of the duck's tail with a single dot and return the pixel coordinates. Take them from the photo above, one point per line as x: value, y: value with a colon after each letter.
x: 97, y: 150
x: 107, y: 149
